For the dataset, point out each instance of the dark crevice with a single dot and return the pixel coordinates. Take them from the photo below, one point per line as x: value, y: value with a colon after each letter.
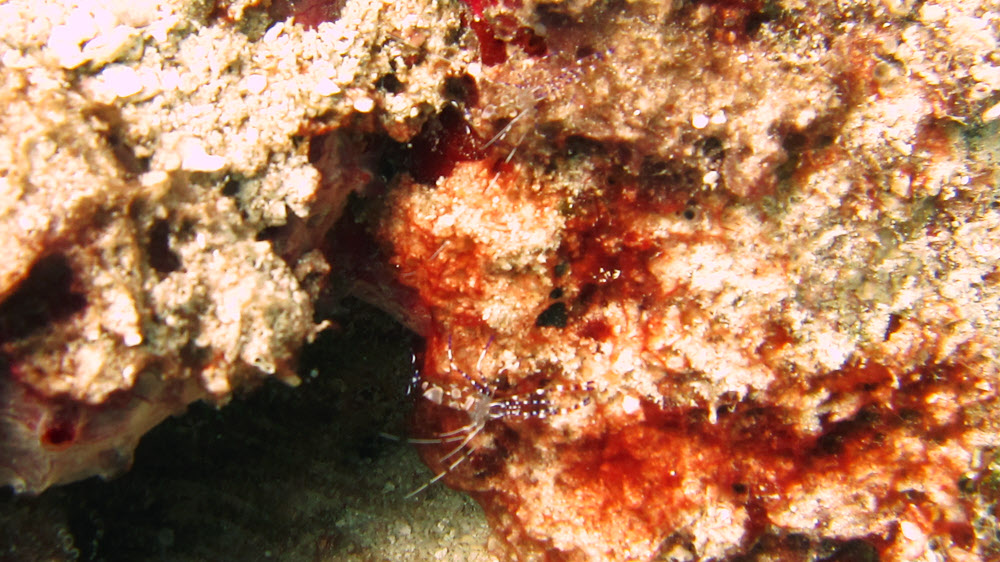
x: 440, y: 145
x: 47, y: 296
x: 161, y: 257
x: 855, y: 550
x: 211, y: 480
x: 555, y: 316
x: 232, y: 187
x: 390, y: 83
x: 462, y: 89
x: 113, y: 133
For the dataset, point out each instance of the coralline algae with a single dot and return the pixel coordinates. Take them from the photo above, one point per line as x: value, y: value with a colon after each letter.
x: 761, y: 236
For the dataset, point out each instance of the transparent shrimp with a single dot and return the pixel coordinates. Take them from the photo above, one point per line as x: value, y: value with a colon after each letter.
x: 482, y: 404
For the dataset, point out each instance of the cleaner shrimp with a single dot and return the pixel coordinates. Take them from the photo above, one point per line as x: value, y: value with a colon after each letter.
x: 482, y: 402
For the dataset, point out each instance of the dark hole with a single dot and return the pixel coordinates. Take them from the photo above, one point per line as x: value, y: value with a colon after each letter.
x: 798, y: 542
x: 232, y: 187
x: 46, y: 296
x: 795, y: 142
x: 711, y: 147
x: 584, y: 51
x: 461, y: 89
x: 454, y: 35
x: 272, y: 234
x: 665, y: 181
x: 855, y: 550
x: 754, y: 22
x: 531, y: 43
x: 60, y: 432
x: 556, y: 293
x: 317, y: 148
x: 393, y: 159
x: 132, y: 164
x: 389, y: 83
x: 913, y: 496
x: 689, y: 214
x: 488, y: 464
x: 739, y: 488
x: 909, y: 415
x: 830, y: 443
x: 868, y: 416
x: 966, y: 485
x: 194, y: 356
x: 555, y: 316
x: 893, y: 326
x: 578, y: 145
x: 441, y: 144
x: 161, y: 257
x: 552, y: 15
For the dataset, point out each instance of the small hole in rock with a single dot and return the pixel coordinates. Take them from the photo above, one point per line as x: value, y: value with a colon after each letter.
x: 389, y: 83
x: 555, y: 316
x: 231, y: 188
x: 161, y: 257
x: 462, y: 89
x: 46, y: 296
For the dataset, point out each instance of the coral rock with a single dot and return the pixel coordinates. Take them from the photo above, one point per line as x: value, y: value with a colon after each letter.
x: 698, y: 280
x: 766, y: 249
x: 161, y: 211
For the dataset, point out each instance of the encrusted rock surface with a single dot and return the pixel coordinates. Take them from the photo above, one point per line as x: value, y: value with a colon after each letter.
x: 767, y: 233
x: 159, y: 211
x: 745, y: 252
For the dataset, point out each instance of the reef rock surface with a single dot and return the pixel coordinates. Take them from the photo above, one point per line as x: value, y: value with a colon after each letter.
x: 159, y: 209
x: 726, y: 283
x: 698, y: 280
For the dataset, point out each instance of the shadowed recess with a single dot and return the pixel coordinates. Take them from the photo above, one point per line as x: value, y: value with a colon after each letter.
x: 46, y: 296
